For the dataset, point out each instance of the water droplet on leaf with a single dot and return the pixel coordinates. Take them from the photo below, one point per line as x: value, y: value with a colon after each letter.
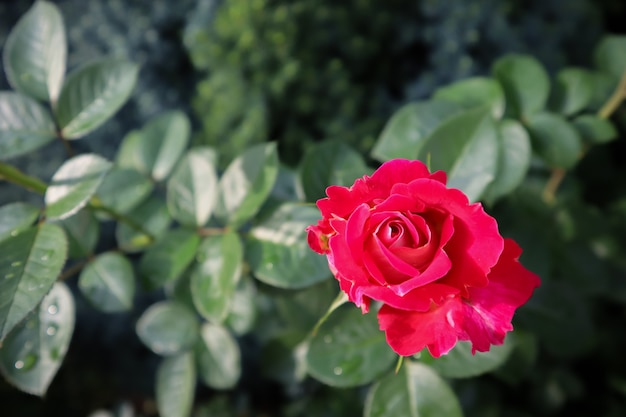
x: 337, y: 370
x: 16, y: 264
x: 27, y: 363
x: 53, y: 309
x: 51, y: 330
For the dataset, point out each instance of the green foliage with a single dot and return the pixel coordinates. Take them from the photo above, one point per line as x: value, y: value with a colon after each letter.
x: 416, y: 391
x: 202, y: 250
x: 348, y: 349
x: 31, y: 354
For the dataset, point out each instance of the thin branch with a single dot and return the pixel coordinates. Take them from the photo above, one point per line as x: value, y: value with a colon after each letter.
x: 615, y: 100
x: 13, y: 175
x: 612, y: 104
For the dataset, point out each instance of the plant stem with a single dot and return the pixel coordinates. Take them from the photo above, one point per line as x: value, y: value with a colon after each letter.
x: 612, y: 104
x: 615, y: 100
x: 96, y: 204
x: 13, y: 175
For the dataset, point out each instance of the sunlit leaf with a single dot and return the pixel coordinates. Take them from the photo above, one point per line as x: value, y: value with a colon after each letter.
x: 192, y: 189
x: 246, y: 183
x: 31, y: 354
x: 92, y: 94
x: 218, y: 357
x: 15, y: 217
x: 30, y: 263
x: 35, y: 52
x: 157, y: 147
x: 175, y: 385
x: 216, y: 275
x: 277, y: 249
x: 108, y: 282
x: 168, y: 328
x: 123, y: 189
x: 73, y: 184
x: 25, y: 125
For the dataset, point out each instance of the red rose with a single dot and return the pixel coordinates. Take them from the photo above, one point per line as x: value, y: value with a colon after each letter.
x: 436, y: 263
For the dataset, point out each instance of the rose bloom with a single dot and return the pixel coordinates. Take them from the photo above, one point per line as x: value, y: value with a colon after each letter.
x: 437, y: 263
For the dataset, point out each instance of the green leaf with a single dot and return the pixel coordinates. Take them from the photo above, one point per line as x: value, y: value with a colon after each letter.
x: 192, y: 189
x: 152, y: 215
x: 603, y: 86
x: 460, y: 363
x: 25, y: 125
x: 82, y: 231
x: 349, y: 349
x: 92, y: 94
x: 329, y: 163
x: 416, y: 391
x: 609, y: 55
x: 277, y: 249
x: 573, y: 90
x: 405, y: 133
x: 215, y: 277
x: 168, y: 328
x: 246, y: 183
x: 513, y: 162
x: 108, y: 282
x: 73, y: 185
x: 168, y: 258
x: 15, y: 217
x: 176, y: 385
x: 218, y: 357
x: 158, y: 146
x: 29, y: 264
x: 303, y: 310
x: 474, y: 92
x: 123, y: 189
x: 525, y: 82
x: 555, y: 140
x: 35, y: 52
x: 31, y: 354
x: 466, y: 148
x: 243, y: 310
x: 594, y: 129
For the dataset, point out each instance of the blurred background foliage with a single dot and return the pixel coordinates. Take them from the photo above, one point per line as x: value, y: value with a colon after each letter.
x: 301, y: 71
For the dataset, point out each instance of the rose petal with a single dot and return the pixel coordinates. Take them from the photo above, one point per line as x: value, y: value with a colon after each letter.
x: 487, y: 243
x: 489, y: 310
x: 484, y: 319
x: 408, y: 332
x: 420, y: 299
